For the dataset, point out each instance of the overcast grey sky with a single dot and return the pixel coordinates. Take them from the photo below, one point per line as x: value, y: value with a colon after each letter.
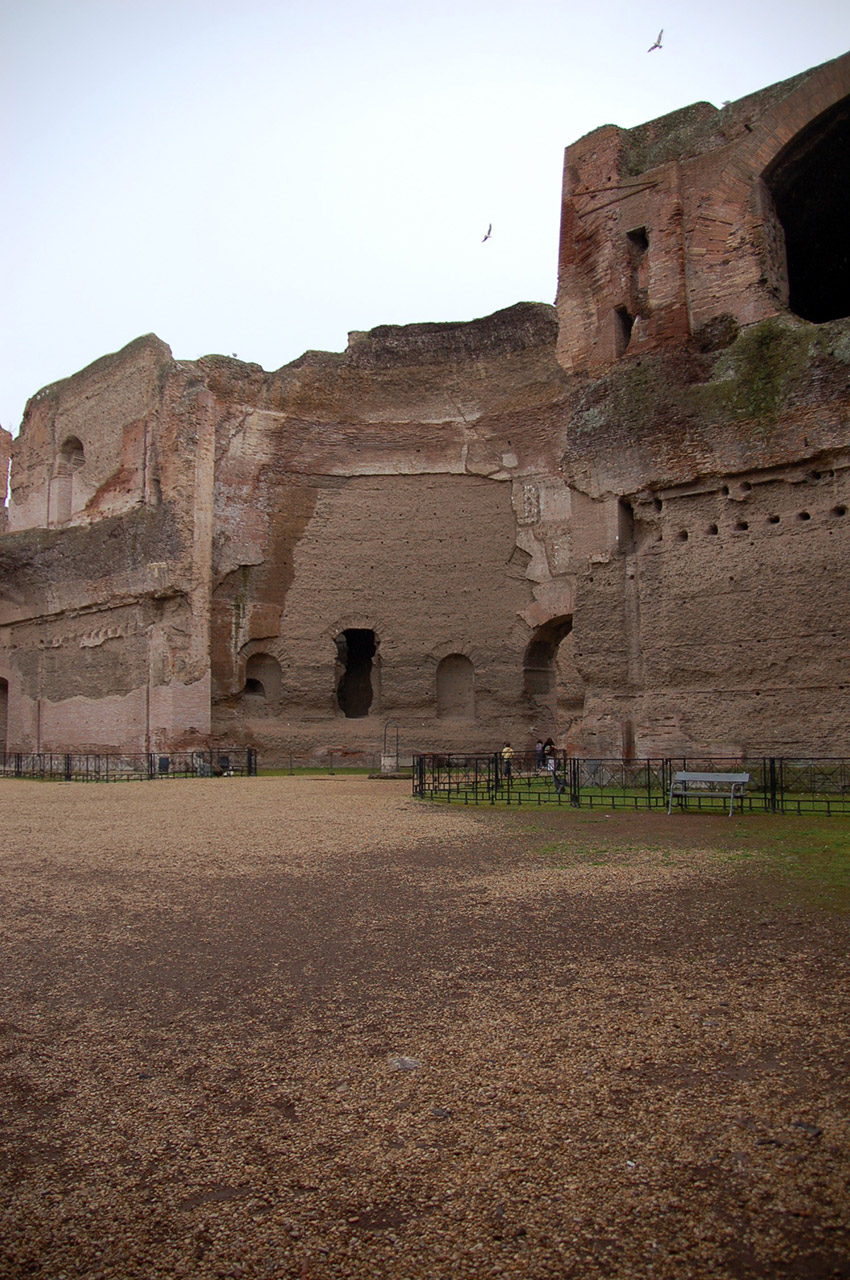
x: 259, y: 178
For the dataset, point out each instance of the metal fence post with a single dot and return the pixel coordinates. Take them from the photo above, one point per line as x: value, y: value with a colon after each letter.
x: 777, y: 789
x: 575, y: 782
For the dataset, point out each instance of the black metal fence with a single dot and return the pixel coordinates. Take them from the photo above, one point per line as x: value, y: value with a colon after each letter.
x: 778, y: 784
x: 124, y: 766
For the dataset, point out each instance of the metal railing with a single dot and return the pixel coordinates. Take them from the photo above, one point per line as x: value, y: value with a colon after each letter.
x: 778, y: 784
x: 128, y: 766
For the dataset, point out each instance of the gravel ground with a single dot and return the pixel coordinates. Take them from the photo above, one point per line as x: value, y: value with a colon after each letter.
x: 313, y: 1028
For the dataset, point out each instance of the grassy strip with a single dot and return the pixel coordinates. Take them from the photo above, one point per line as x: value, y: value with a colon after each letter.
x: 808, y: 855
x: 809, y: 849
x: 314, y: 771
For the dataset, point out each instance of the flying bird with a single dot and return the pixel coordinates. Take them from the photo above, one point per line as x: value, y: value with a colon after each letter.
x: 489, y: 233
x: 657, y: 44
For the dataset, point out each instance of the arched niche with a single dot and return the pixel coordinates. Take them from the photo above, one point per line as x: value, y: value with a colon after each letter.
x: 456, y: 688
x: 262, y: 677
x: 65, y: 491
x: 809, y: 181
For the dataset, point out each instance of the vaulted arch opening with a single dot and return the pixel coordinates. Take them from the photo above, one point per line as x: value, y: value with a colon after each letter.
x: 810, y: 184
x: 539, y: 673
x: 72, y: 455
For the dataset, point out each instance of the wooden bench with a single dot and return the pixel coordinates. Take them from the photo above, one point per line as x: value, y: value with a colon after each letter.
x: 725, y: 785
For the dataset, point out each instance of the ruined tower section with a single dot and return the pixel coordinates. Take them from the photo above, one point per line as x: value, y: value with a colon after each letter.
x: 706, y: 219
x: 104, y: 591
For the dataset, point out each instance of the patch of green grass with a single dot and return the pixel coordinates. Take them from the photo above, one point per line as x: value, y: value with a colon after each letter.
x: 809, y: 856
x: 813, y: 850
x: 570, y: 853
x: 317, y: 771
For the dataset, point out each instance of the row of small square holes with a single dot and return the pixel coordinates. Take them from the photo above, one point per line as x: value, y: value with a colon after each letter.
x: 743, y: 525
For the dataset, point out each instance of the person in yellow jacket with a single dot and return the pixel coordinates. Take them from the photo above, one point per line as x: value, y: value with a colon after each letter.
x: 507, y: 757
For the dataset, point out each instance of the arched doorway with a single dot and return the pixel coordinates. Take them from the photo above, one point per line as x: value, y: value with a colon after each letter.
x: 809, y: 182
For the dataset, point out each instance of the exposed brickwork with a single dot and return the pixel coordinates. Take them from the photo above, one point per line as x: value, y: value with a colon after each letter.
x: 623, y: 523
x: 694, y: 181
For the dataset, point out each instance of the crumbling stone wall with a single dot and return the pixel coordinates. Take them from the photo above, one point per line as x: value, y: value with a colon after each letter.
x: 622, y: 523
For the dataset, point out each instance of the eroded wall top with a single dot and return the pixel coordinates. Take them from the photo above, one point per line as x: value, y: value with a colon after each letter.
x: 86, y: 443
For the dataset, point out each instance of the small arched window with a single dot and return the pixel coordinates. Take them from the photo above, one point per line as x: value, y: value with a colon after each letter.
x: 72, y: 455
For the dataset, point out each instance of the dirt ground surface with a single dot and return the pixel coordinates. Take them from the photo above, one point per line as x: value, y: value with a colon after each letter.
x: 311, y: 1028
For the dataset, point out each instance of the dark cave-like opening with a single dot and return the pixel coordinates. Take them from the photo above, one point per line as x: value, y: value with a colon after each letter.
x: 356, y: 648
x: 810, y: 184
x: 539, y: 663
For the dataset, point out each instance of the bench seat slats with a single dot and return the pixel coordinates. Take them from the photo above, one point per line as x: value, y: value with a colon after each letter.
x: 687, y: 783
x: 740, y: 778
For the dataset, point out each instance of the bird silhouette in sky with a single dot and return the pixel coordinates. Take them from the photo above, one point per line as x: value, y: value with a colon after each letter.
x: 657, y: 44
x: 489, y: 233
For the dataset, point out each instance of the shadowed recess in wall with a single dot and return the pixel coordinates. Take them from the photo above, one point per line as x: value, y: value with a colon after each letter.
x: 70, y: 459
x: 538, y: 666
x: 262, y: 677
x: 810, y: 184
x: 356, y: 649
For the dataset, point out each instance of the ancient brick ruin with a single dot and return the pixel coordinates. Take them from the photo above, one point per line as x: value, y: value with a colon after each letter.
x: 623, y: 521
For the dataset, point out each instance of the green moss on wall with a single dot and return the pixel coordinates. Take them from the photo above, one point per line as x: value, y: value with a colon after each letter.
x: 761, y: 369
x: 770, y: 370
